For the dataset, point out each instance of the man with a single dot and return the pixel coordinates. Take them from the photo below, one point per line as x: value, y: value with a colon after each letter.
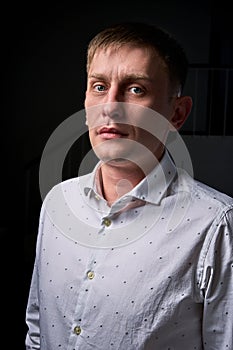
x: 137, y: 254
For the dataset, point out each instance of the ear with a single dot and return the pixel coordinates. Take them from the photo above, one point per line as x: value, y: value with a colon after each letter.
x: 182, y: 109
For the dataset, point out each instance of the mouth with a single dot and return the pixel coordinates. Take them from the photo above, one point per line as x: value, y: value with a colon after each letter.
x: 110, y: 133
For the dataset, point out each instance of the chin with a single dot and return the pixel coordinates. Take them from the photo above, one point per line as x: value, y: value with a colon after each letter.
x: 112, y: 151
x: 118, y: 161
x: 111, y: 158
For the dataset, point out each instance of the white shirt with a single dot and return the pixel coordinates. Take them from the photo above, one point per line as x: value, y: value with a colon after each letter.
x: 154, y: 271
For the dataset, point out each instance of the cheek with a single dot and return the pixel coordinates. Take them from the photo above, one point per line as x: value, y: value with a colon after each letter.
x: 94, y: 116
x: 144, y: 136
x: 92, y: 137
x: 149, y: 140
x: 89, y: 100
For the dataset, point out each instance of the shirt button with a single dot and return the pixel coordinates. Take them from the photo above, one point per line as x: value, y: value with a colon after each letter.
x: 77, y: 330
x: 107, y: 222
x: 90, y: 275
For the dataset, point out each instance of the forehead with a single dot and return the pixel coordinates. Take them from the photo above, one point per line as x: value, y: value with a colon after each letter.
x: 127, y: 57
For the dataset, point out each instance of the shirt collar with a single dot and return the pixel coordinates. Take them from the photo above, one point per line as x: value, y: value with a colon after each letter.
x: 151, y: 189
x: 154, y: 187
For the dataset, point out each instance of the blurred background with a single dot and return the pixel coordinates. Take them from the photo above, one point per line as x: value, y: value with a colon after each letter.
x: 44, y: 78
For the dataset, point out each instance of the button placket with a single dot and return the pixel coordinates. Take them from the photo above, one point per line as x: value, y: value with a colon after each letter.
x: 107, y: 222
x: 90, y: 275
x: 77, y: 330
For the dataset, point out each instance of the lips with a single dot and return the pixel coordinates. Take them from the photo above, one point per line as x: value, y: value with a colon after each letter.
x: 111, y: 133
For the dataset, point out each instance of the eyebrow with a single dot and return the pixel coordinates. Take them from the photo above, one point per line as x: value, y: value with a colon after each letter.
x: 128, y: 77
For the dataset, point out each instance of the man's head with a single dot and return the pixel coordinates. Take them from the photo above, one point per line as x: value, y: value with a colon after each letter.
x: 132, y: 65
x: 146, y: 36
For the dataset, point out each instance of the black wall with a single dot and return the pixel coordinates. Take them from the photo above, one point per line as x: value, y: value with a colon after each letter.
x: 43, y: 61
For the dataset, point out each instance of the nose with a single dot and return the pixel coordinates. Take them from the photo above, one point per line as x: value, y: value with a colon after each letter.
x: 113, y: 110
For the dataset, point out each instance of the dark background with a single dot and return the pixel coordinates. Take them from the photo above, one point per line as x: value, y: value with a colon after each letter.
x: 43, y: 70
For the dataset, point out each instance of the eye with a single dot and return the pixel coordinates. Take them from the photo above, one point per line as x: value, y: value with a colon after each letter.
x: 99, y: 88
x: 136, y: 90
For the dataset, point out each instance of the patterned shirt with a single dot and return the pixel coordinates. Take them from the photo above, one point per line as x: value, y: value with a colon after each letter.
x: 153, y: 271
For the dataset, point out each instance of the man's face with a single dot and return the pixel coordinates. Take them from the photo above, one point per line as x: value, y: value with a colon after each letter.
x: 124, y: 87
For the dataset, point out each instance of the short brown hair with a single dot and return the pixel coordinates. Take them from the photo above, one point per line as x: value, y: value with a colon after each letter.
x: 144, y: 35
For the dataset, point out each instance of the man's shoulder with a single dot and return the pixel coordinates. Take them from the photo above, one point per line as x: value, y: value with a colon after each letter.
x: 217, y: 194
x: 70, y: 184
x: 74, y: 180
x: 202, y: 192
x: 206, y: 193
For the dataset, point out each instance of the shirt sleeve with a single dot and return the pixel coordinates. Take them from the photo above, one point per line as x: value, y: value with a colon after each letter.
x: 32, y: 316
x: 32, y: 340
x: 217, y: 286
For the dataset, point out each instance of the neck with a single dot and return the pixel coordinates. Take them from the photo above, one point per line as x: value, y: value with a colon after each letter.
x: 118, y: 178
